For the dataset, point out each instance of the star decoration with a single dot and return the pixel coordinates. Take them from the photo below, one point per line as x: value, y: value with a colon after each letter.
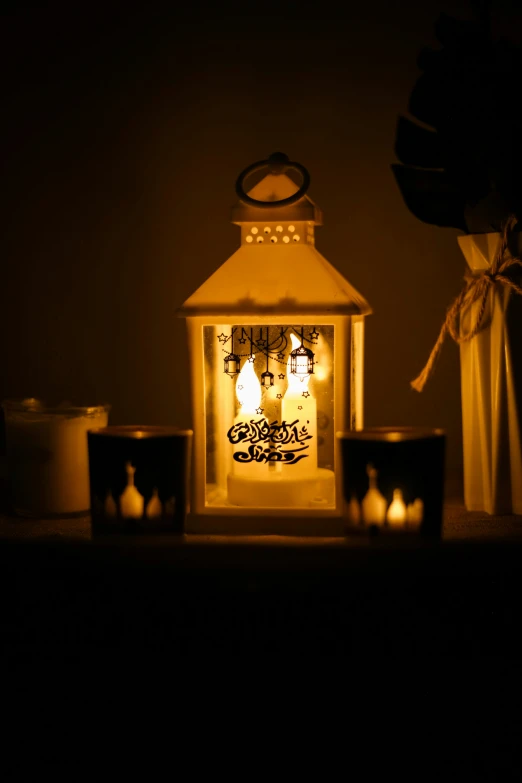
x: 279, y: 396
x: 240, y: 387
x: 314, y: 335
x: 242, y: 340
x: 299, y: 407
x: 259, y: 410
x: 222, y: 338
x: 281, y: 376
x: 281, y: 355
x: 261, y: 343
x: 251, y: 360
x: 306, y: 394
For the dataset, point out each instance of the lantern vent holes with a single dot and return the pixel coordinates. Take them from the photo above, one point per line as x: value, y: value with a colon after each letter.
x: 276, y: 233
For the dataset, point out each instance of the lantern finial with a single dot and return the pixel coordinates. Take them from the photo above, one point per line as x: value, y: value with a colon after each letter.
x: 278, y: 163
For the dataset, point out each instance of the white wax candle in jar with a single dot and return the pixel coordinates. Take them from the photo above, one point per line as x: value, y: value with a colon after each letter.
x: 47, y: 455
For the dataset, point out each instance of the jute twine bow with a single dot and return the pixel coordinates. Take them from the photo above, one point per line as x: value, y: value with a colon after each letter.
x: 476, y: 288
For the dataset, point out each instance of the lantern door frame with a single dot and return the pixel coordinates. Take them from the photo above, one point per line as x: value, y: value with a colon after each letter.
x: 348, y: 358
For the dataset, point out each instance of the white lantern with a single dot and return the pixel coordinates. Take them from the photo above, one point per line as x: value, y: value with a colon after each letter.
x: 276, y: 339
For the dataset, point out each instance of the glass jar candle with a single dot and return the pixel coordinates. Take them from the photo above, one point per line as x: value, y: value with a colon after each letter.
x: 47, y: 456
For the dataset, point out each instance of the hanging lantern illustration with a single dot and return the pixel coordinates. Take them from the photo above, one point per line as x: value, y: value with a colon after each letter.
x: 267, y: 379
x: 232, y: 364
x: 265, y: 456
x: 301, y: 361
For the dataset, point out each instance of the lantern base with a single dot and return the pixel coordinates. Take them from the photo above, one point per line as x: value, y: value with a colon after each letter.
x: 316, y: 490
x: 264, y: 522
x: 275, y: 506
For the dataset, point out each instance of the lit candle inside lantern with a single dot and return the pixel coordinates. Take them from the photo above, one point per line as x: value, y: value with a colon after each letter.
x: 396, y: 516
x: 300, y: 406
x: 248, y: 391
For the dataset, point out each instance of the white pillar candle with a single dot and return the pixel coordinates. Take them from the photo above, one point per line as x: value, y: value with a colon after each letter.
x: 248, y: 481
x: 260, y: 484
x: 300, y: 406
x: 47, y: 457
x: 248, y: 391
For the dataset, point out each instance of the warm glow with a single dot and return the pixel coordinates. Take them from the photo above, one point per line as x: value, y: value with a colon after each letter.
x: 323, y: 363
x: 296, y: 384
x: 397, y: 511
x: 248, y: 388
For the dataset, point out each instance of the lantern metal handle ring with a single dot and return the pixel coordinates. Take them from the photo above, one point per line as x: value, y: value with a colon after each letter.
x: 277, y: 163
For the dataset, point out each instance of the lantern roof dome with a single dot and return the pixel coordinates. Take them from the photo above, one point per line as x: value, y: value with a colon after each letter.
x: 276, y: 279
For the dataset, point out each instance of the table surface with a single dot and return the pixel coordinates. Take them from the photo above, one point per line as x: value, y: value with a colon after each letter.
x: 459, y: 526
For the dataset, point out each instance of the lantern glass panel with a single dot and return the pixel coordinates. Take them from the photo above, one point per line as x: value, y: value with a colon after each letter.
x: 269, y: 447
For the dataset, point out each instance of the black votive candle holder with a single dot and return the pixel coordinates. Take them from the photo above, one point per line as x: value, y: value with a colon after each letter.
x: 393, y: 480
x: 139, y: 479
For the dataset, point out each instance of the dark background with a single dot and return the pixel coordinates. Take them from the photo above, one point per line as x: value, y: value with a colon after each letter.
x: 123, y: 131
